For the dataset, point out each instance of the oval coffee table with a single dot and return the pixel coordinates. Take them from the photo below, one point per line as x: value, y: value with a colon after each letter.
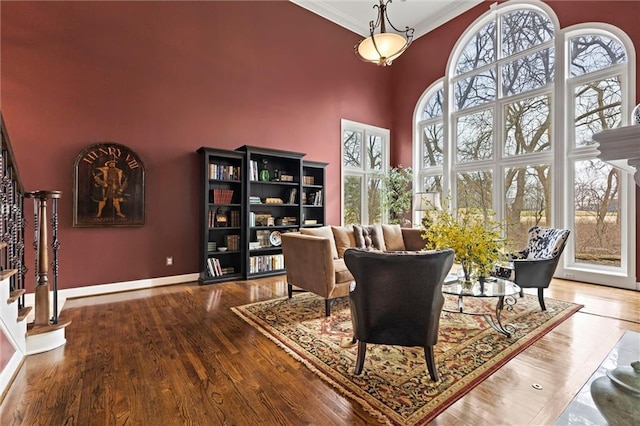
x: 503, y: 289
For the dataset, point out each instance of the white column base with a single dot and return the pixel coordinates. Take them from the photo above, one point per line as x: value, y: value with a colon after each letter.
x: 44, y: 342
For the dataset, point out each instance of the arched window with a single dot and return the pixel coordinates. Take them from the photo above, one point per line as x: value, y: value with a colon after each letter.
x: 508, y: 130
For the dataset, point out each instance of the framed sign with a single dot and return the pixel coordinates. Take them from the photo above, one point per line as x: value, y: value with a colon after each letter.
x: 108, y: 186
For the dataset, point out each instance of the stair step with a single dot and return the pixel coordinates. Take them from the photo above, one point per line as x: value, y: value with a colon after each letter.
x: 7, y: 273
x: 32, y: 329
x: 14, y: 295
x: 22, y: 313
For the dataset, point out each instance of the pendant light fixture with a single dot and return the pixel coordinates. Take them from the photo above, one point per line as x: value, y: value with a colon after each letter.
x: 384, y: 47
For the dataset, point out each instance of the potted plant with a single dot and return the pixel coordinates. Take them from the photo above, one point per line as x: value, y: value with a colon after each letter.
x: 397, y: 195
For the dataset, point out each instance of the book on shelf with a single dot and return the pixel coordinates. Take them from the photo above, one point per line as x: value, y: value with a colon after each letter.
x: 233, y: 242
x: 253, y: 170
x: 213, y: 267
x: 221, y: 196
x: 266, y: 263
x: 235, y: 218
x: 224, y: 172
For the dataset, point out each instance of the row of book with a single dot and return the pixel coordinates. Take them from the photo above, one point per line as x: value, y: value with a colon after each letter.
x: 216, y: 270
x: 224, y: 172
x: 233, y: 242
x: 253, y: 170
x: 266, y: 263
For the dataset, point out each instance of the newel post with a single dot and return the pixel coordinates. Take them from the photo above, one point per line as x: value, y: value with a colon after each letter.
x: 42, y: 306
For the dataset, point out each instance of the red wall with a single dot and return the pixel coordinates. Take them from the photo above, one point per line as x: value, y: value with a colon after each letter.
x: 425, y: 62
x: 165, y: 78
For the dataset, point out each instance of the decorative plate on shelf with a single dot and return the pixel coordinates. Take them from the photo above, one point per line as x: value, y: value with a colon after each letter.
x: 275, y: 239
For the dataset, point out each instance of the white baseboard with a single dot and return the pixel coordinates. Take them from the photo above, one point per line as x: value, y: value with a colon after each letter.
x: 94, y: 290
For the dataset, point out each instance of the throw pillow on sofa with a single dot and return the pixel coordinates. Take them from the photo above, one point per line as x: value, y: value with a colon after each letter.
x: 343, y: 235
x: 369, y: 237
x: 393, y: 239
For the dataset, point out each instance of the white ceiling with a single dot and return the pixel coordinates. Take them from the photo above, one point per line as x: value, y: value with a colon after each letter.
x: 421, y: 15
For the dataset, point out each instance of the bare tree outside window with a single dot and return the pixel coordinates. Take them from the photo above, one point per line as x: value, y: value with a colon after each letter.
x: 352, y: 149
x: 594, y: 52
x: 352, y: 199
x: 433, y: 107
x: 475, y: 136
x: 524, y: 29
x: 474, y: 192
x: 433, y: 138
x: 597, y: 213
x: 527, y: 195
x: 598, y: 107
x: 479, y: 51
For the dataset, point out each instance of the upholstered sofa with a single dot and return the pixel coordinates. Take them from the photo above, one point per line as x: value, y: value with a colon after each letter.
x: 314, y: 256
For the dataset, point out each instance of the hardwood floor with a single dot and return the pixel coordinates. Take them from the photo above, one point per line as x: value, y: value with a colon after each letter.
x: 178, y: 355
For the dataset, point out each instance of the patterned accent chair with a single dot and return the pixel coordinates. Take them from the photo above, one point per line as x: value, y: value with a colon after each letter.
x: 534, y: 266
x: 396, y: 299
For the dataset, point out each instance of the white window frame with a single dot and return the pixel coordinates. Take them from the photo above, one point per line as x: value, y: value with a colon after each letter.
x: 562, y: 155
x: 363, y: 172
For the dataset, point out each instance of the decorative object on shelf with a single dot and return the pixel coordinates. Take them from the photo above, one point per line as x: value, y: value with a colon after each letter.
x: 264, y: 172
x: 264, y: 238
x: 289, y: 220
x: 273, y: 200
x: 275, y: 238
x: 473, y: 234
x: 222, y: 248
x: 617, y: 395
x: 276, y: 175
x: 292, y: 195
x: 108, y: 186
x: 262, y: 218
x: 635, y: 115
x: 221, y: 218
x: 384, y: 47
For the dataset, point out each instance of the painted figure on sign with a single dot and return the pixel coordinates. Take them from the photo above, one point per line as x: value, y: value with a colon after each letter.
x: 112, y: 183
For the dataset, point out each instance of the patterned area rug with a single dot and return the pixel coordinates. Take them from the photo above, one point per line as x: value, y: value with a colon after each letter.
x: 394, y: 385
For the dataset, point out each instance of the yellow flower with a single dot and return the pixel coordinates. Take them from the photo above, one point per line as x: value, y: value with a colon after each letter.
x: 475, y: 237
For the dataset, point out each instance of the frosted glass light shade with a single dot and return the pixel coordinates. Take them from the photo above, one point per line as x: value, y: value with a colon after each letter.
x: 389, y: 46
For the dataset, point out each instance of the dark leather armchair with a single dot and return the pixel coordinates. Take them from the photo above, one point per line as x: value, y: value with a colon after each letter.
x: 534, y: 266
x: 396, y: 299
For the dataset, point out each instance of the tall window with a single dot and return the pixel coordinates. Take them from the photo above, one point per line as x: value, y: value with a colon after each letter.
x: 365, y: 159
x: 508, y: 130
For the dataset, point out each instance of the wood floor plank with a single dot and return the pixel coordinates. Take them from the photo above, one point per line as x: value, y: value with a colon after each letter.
x: 178, y: 355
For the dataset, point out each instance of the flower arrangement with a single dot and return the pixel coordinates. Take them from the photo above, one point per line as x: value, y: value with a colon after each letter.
x: 475, y: 238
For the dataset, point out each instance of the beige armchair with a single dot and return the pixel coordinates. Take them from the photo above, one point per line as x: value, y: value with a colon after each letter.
x: 313, y: 257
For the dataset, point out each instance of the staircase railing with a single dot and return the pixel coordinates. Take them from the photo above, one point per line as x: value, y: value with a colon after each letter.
x: 12, y: 221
